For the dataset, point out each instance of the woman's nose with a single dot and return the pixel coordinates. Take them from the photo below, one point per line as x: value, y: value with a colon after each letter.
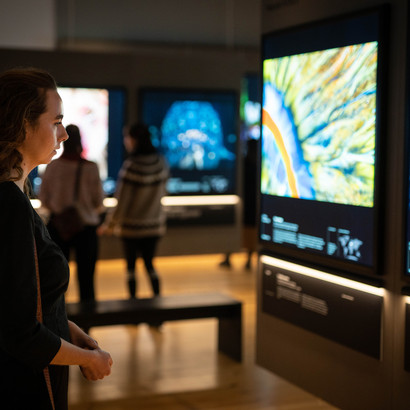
x: 63, y: 134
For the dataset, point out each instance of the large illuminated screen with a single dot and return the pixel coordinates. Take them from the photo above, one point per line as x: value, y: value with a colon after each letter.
x: 88, y: 109
x: 319, y: 148
x: 196, y: 131
x: 99, y: 114
x: 319, y: 125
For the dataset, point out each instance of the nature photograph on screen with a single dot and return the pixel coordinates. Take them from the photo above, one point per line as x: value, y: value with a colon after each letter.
x: 99, y: 114
x: 320, y: 142
x: 196, y: 132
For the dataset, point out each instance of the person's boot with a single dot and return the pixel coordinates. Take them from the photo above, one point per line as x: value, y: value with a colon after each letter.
x: 132, y: 284
x: 226, y: 263
x: 248, y: 264
x: 155, y: 284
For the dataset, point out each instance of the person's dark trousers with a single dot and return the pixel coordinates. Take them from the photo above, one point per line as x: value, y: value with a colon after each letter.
x: 85, y: 246
x: 146, y: 248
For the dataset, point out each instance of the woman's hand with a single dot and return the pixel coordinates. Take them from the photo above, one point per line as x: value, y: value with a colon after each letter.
x: 80, y: 338
x: 98, y: 363
x: 98, y: 366
x: 104, y: 229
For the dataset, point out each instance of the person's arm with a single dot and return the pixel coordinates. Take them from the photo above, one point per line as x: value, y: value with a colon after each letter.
x: 80, y: 338
x: 84, y: 351
x: 96, y: 188
x: 21, y: 335
x: 115, y: 214
x: 95, y: 363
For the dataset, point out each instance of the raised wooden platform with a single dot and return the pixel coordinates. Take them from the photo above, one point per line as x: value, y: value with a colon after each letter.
x: 161, y: 309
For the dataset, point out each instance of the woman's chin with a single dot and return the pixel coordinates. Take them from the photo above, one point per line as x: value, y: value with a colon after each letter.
x: 48, y: 160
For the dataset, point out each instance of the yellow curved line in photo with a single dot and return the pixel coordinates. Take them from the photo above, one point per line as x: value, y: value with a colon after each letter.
x: 268, y: 121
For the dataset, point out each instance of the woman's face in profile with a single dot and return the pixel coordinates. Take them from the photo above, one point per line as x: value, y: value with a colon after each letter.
x: 43, y: 139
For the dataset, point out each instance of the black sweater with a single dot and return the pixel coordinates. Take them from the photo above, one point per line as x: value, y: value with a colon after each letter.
x: 26, y: 346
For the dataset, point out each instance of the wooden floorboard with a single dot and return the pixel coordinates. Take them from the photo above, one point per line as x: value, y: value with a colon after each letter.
x: 179, y: 367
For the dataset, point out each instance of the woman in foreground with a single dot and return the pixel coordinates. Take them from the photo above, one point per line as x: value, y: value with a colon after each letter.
x: 31, y: 131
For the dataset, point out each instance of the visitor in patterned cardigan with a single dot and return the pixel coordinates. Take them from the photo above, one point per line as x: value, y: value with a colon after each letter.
x: 139, y: 218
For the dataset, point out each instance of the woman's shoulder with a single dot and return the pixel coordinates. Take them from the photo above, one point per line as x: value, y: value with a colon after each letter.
x: 56, y: 164
x: 148, y: 159
x: 65, y: 163
x: 90, y: 167
x: 163, y: 162
x: 89, y: 163
x: 10, y: 188
x: 12, y: 200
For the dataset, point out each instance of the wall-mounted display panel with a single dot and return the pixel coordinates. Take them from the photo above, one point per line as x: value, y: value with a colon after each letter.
x: 407, y: 336
x: 342, y: 310
x: 406, y: 186
x: 322, y: 132
x: 406, y: 293
x: 196, y: 130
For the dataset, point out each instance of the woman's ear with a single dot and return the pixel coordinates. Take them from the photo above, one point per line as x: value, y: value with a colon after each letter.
x: 26, y: 128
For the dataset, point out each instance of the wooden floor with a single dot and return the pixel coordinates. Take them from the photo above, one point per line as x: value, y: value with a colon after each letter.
x: 179, y: 367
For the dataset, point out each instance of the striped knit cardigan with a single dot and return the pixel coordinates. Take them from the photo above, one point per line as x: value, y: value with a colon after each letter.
x: 140, y: 187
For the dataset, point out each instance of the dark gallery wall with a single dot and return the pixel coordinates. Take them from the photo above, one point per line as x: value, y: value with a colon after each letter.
x: 159, y: 66
x: 208, y: 22
x: 134, y: 44
x: 343, y: 376
x: 27, y: 25
x: 210, y: 67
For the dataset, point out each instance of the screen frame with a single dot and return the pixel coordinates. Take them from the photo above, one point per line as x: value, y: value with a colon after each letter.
x: 406, y: 179
x: 334, y: 265
x: 202, y: 91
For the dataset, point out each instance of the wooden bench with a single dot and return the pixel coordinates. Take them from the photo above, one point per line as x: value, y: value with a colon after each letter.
x: 160, y: 309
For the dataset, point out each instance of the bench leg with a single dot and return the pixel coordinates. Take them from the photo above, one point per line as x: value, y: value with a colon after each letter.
x: 230, y: 336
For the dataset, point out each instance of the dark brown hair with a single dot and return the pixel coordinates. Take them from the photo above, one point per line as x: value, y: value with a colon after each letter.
x: 140, y: 133
x: 22, y: 101
x: 73, y: 145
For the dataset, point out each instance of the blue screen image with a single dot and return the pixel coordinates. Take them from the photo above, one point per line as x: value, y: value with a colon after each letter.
x: 196, y: 132
x: 192, y: 136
